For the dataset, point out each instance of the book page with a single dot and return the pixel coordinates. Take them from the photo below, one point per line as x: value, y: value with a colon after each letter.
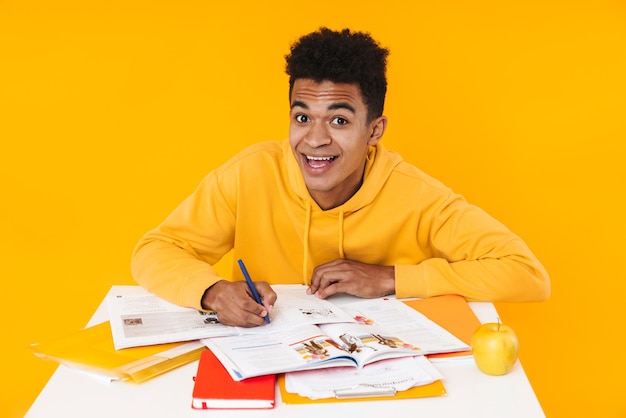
x: 367, y: 342
x: 140, y: 318
x: 294, y: 308
x: 304, y: 347
x: 395, y: 324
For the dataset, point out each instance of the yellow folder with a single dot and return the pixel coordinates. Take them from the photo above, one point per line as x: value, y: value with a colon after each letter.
x: 91, y: 349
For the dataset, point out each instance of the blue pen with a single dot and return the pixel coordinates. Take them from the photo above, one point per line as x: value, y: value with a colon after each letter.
x: 252, y: 287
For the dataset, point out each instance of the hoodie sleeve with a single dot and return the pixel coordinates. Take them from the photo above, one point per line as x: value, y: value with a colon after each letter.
x: 174, y: 260
x: 475, y: 256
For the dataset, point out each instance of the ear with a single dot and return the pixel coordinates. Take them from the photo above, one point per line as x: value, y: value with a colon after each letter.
x: 377, y: 129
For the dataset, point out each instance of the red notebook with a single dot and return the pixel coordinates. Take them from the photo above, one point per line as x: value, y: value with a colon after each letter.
x: 215, y: 389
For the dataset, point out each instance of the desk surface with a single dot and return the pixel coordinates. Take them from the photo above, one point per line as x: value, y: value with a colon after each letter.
x: 470, y: 393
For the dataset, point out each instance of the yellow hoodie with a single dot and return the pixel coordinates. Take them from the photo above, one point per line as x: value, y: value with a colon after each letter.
x: 257, y: 205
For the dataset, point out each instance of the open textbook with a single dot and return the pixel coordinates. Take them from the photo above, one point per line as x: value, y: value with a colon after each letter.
x: 381, y: 328
x: 140, y: 318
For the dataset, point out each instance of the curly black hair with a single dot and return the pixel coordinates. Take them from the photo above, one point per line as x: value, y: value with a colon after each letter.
x: 342, y: 57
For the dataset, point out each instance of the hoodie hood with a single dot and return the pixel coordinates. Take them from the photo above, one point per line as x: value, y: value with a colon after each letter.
x: 378, y: 167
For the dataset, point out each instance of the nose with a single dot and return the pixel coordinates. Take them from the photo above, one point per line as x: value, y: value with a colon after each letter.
x: 317, y: 135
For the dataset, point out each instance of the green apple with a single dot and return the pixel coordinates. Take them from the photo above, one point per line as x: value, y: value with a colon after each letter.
x: 495, y: 348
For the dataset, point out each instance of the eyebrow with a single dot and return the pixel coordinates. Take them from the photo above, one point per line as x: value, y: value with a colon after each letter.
x: 334, y: 106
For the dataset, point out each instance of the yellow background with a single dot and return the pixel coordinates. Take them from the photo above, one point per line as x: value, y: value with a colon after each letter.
x: 112, y: 111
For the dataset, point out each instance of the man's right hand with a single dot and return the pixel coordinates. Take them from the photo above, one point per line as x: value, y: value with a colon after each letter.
x: 235, y: 305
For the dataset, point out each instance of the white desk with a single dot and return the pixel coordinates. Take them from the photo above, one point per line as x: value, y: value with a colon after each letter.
x: 470, y: 393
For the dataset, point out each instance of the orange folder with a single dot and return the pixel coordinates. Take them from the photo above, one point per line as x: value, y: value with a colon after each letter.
x: 451, y: 312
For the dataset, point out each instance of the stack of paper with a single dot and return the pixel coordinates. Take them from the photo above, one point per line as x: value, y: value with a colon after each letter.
x: 383, y: 378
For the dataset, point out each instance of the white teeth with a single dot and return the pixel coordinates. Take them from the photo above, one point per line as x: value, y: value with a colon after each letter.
x: 319, y: 158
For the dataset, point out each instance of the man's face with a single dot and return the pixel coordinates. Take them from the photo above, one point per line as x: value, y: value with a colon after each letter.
x: 330, y: 136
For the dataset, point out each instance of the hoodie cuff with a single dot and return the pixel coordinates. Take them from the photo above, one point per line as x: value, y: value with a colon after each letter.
x: 194, y: 290
x: 410, y: 281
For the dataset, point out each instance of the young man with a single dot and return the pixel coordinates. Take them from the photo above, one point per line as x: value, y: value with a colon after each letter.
x: 331, y: 208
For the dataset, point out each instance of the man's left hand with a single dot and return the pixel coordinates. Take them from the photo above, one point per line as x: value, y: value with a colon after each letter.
x: 352, y: 277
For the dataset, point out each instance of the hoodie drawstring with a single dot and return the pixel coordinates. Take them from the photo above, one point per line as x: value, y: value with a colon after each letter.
x: 341, y: 253
x: 305, y: 256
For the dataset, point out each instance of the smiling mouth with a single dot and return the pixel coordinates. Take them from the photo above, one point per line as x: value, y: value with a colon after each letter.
x: 319, y: 162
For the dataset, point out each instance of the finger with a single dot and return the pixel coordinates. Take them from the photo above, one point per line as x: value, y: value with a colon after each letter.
x: 319, y: 272
x: 337, y: 282
x: 315, y: 283
x: 243, y: 312
x: 250, y: 306
x: 331, y: 282
x: 327, y: 291
x: 268, y: 296
x: 236, y: 306
x: 240, y: 318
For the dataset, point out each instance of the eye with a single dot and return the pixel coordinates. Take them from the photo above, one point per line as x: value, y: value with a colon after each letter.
x: 300, y: 118
x: 338, y: 120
